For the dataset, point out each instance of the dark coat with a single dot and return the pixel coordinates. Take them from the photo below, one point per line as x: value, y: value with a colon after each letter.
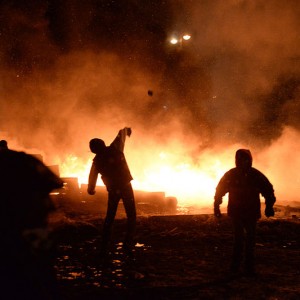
x: 244, y: 188
x: 110, y: 163
x: 112, y: 166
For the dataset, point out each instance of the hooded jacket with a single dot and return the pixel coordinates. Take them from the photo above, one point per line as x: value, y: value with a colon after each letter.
x: 244, y: 184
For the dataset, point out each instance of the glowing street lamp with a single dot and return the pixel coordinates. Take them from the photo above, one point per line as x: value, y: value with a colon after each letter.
x: 186, y: 37
x: 179, y: 39
x: 174, y: 41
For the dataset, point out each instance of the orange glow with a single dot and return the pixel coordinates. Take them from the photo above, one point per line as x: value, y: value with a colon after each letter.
x: 174, y: 175
x: 175, y: 168
x: 189, y: 183
x: 74, y: 166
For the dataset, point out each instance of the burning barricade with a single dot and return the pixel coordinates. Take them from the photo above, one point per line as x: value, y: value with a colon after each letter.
x: 72, y: 193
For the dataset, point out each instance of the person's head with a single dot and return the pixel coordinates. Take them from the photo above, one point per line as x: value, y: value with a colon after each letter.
x: 3, y: 145
x: 97, y: 145
x: 243, y: 159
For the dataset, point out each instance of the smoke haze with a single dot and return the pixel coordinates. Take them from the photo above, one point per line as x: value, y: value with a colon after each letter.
x: 76, y: 70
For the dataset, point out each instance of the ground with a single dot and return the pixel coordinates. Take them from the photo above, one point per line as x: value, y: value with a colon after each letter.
x: 175, y: 257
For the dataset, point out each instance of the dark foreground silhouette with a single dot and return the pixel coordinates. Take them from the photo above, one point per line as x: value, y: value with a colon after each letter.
x: 26, y: 261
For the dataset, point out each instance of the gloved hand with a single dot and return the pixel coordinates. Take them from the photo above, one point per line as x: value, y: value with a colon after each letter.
x: 217, y: 211
x: 269, y: 211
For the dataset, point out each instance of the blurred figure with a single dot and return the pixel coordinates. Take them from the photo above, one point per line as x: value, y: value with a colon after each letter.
x: 25, y: 255
x: 244, y: 185
x: 3, y: 145
x: 110, y: 162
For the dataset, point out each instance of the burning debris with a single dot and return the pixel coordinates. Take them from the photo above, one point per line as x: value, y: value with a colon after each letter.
x: 146, y: 202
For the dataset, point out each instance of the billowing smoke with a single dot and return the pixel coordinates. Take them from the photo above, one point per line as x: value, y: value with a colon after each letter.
x: 74, y: 70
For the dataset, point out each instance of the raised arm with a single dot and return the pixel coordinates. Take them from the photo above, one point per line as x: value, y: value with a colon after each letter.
x: 119, y: 141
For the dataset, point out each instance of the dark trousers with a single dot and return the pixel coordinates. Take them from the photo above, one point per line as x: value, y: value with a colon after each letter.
x: 114, y: 197
x: 244, y: 241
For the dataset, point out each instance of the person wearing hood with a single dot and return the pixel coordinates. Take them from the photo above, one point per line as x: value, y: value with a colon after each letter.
x: 111, y: 164
x: 244, y: 184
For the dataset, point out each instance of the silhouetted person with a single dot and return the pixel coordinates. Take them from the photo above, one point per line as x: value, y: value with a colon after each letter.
x: 25, y: 258
x: 244, y: 185
x: 110, y: 162
x: 3, y: 145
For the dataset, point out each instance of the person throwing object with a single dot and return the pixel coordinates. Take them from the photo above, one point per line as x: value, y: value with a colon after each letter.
x: 111, y: 164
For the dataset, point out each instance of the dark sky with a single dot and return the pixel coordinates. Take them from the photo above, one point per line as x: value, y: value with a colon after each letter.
x: 73, y: 69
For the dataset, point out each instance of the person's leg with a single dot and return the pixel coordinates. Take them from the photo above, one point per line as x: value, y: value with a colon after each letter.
x: 129, y: 205
x: 250, y: 226
x: 237, y: 245
x: 112, y: 205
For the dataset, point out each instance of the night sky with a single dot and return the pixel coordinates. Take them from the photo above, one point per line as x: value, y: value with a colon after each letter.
x: 71, y: 70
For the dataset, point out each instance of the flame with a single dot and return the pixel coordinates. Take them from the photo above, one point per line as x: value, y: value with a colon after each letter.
x: 73, y: 166
x: 190, y: 183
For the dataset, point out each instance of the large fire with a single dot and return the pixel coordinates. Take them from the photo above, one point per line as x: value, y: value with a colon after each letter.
x: 192, y: 179
x: 189, y: 183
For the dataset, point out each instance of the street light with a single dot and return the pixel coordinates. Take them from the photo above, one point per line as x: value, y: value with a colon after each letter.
x: 186, y: 37
x: 179, y: 39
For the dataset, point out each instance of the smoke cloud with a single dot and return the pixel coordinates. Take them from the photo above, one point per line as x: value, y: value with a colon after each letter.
x: 76, y: 70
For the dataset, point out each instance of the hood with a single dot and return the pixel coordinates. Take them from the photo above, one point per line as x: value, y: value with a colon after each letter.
x: 243, y: 159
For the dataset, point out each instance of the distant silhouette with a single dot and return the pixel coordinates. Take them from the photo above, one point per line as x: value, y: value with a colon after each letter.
x: 244, y: 185
x: 3, y: 145
x: 25, y: 257
x: 110, y: 162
